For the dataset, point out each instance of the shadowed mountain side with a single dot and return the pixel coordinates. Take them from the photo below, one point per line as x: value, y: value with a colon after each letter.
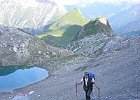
x: 40, y: 30
x: 66, y: 37
x: 131, y: 29
x: 5, y: 70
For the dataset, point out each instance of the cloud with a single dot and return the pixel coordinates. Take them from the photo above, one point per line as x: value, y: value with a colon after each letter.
x: 75, y: 2
x: 43, y: 1
x: 65, y: 2
x: 86, y: 2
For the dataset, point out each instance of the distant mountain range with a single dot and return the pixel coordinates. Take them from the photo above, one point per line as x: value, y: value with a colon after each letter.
x: 43, y: 17
x: 98, y: 9
x: 23, y: 15
x: 127, y: 22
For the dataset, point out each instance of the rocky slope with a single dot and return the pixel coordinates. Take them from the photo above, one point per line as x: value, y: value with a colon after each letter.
x: 117, y: 75
x: 19, y: 48
x: 29, y: 14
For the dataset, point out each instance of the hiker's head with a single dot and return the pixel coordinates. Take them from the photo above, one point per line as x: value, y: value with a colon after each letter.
x: 86, y: 74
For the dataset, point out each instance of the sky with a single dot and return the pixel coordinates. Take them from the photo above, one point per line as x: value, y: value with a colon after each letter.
x: 71, y: 2
x: 77, y: 2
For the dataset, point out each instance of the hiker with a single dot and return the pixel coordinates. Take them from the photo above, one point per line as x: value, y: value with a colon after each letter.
x: 88, y: 84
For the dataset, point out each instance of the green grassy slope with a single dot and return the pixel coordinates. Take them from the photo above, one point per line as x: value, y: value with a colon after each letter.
x: 64, y: 29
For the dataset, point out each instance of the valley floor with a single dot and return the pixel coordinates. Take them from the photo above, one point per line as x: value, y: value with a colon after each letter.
x: 117, y: 75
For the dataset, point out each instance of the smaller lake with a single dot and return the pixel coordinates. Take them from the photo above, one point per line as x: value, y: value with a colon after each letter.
x: 13, y: 77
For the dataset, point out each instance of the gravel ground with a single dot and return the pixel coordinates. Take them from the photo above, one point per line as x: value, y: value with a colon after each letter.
x: 117, y: 75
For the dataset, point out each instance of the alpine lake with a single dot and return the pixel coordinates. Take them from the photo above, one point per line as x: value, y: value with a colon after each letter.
x: 13, y: 77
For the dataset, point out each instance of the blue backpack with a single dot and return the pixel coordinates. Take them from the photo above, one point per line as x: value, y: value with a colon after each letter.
x: 91, y: 75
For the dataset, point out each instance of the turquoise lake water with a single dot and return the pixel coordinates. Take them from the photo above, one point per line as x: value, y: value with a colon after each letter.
x: 13, y: 77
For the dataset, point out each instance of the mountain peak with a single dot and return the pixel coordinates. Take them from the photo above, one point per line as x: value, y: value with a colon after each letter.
x: 73, y: 17
x: 100, y: 25
x: 76, y: 10
x: 103, y: 20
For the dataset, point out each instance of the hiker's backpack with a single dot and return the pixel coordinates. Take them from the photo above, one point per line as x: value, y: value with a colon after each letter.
x: 91, y: 75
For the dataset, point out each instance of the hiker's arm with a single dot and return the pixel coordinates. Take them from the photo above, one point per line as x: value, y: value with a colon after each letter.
x: 79, y: 82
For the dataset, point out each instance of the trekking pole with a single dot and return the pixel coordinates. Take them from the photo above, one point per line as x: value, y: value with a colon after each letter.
x: 76, y: 92
x: 98, y: 97
x: 97, y: 87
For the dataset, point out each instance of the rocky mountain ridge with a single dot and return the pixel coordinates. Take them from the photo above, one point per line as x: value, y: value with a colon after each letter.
x: 92, y: 38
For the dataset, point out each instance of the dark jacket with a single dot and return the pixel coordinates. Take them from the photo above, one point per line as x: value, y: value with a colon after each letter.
x: 89, y: 84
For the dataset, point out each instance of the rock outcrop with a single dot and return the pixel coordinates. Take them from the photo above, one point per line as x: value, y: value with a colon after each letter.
x: 92, y: 38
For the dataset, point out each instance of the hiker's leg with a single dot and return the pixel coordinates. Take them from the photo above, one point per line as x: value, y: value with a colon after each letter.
x: 88, y: 94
